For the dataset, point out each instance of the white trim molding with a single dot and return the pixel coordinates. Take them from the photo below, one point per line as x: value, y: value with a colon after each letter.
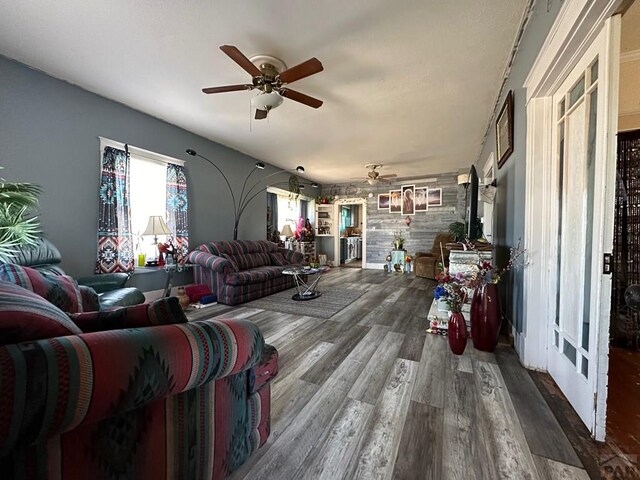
x: 139, y: 152
x: 577, y: 25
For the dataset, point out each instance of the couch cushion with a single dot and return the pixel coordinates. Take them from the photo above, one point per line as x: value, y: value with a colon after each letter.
x: 26, y: 316
x: 165, y: 311
x: 254, y: 275
x: 234, y: 265
x: 248, y: 261
x: 61, y: 290
x: 278, y: 259
x: 238, y: 247
x: 121, y: 297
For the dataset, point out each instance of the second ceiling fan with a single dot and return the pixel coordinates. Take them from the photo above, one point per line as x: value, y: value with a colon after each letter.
x: 270, y: 75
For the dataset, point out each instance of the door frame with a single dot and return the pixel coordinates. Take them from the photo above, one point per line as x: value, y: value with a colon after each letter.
x: 363, y: 204
x: 488, y: 175
x: 578, y: 24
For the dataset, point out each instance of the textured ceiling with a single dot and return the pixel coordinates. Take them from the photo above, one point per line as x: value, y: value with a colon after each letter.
x: 630, y: 35
x: 409, y: 84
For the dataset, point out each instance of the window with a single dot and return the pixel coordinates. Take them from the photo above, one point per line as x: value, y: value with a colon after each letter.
x: 148, y: 192
x: 136, y: 184
x: 288, y: 212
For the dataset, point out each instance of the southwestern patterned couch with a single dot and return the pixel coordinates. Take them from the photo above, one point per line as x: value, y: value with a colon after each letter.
x: 242, y: 270
x: 171, y: 400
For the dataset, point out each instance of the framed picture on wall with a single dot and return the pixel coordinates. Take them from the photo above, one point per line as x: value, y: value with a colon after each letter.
x: 408, y: 200
x: 504, y: 130
x: 383, y: 201
x: 395, y: 201
x: 421, y: 204
x: 434, y: 197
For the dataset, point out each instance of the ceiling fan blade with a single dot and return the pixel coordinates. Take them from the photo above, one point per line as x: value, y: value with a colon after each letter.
x: 390, y: 175
x: 227, y: 88
x: 261, y: 114
x: 238, y: 57
x: 300, y: 97
x: 302, y: 70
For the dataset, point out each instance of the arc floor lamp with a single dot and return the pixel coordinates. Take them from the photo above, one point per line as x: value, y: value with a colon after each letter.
x: 246, y: 194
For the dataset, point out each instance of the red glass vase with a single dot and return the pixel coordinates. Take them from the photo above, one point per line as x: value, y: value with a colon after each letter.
x: 485, y: 317
x: 457, y: 333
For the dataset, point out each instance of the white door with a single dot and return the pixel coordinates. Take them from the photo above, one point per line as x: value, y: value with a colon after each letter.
x: 583, y: 137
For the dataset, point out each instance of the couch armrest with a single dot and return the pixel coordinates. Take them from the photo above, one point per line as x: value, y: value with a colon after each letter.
x: 104, y: 282
x: 51, y: 386
x: 210, y: 261
x: 291, y: 256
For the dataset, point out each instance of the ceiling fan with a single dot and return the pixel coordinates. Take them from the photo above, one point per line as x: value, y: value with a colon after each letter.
x: 270, y: 75
x: 374, y: 177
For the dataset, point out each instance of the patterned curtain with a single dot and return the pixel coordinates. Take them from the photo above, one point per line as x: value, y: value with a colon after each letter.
x: 177, y: 208
x: 115, y: 246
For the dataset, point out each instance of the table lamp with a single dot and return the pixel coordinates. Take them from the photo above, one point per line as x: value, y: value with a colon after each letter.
x: 155, y: 227
x: 286, y: 231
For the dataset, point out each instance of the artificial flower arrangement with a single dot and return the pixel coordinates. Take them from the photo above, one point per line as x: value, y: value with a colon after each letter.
x: 304, y: 231
x: 452, y: 289
x: 325, y: 199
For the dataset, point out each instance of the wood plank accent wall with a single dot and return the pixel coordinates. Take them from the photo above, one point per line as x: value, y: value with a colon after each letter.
x: 424, y: 226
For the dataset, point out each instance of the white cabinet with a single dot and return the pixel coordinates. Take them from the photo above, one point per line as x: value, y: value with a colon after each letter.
x: 325, y: 221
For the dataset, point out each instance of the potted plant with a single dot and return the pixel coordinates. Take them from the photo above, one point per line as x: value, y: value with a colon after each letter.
x: 398, y: 240
x: 19, y: 224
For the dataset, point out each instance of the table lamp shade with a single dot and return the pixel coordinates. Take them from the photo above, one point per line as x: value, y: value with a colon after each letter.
x: 156, y: 226
x: 286, y: 231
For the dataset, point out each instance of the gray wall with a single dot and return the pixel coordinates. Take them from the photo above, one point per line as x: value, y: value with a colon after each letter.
x: 510, y: 198
x: 424, y: 225
x: 49, y: 135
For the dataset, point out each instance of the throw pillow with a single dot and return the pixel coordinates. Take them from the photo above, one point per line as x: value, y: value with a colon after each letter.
x: 90, y: 299
x: 165, y: 311
x: 26, y: 316
x: 61, y: 290
x: 278, y: 259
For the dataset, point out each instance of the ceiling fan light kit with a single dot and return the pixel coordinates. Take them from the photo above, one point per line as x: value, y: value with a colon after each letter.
x: 270, y: 75
x: 266, y: 101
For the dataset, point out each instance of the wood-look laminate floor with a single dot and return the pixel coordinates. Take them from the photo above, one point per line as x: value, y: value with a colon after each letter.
x: 367, y: 394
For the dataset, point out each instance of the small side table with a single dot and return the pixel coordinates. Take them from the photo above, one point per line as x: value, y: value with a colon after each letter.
x: 398, y: 256
x: 305, y: 291
x: 171, y: 270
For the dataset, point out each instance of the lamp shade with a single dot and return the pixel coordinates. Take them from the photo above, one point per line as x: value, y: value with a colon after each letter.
x: 463, y: 179
x: 286, y: 231
x: 156, y: 226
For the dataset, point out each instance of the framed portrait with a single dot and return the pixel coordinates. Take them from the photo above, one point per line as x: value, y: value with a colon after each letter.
x: 383, y: 201
x: 395, y: 201
x: 434, y: 197
x: 504, y: 130
x: 421, y: 204
x: 408, y: 200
